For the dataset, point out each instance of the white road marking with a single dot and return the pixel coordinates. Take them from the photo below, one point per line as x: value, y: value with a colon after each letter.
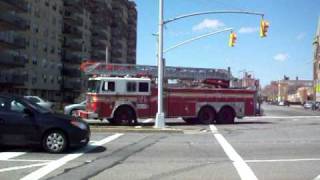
x: 241, y: 166
x: 26, y: 160
x: 282, y: 160
x: 147, y: 120
x: 317, y: 178
x: 21, y: 167
x: 9, y: 155
x: 280, y: 117
x: 62, y: 161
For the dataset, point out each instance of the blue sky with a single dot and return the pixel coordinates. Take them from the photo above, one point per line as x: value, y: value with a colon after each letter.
x: 287, y: 50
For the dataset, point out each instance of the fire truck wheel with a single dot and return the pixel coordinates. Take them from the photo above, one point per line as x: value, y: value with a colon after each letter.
x: 226, y: 116
x: 190, y: 120
x: 124, y: 116
x: 206, y: 115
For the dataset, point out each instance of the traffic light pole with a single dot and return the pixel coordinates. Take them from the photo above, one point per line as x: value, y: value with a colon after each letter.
x: 196, y: 38
x: 160, y: 114
x: 160, y: 121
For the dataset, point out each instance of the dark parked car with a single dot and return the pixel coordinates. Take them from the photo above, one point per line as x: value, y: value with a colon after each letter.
x: 23, y: 122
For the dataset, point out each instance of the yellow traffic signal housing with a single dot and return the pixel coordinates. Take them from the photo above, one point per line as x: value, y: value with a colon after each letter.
x: 232, y: 39
x: 264, y: 26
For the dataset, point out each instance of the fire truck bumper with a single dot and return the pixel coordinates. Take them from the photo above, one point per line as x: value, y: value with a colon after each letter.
x: 88, y: 115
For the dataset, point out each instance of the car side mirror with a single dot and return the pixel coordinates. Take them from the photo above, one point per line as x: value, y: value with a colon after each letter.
x: 28, y: 112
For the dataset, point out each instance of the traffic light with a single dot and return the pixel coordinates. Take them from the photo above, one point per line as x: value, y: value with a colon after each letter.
x: 264, y: 26
x: 232, y: 39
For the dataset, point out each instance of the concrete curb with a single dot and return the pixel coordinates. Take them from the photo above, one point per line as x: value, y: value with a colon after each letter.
x: 134, y: 129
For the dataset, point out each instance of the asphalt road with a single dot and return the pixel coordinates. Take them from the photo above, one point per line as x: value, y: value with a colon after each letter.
x: 283, y: 144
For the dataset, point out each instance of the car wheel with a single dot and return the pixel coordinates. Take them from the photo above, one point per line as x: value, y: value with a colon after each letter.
x: 54, y: 141
x: 190, y: 120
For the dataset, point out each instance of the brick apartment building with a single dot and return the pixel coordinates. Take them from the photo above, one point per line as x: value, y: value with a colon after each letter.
x: 43, y: 42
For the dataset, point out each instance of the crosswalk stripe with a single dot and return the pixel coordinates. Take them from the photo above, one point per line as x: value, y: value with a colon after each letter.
x: 9, y: 155
x: 52, y: 166
x: 21, y: 167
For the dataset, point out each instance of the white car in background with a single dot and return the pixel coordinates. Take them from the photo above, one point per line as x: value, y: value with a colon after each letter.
x: 73, y: 108
x: 40, y: 102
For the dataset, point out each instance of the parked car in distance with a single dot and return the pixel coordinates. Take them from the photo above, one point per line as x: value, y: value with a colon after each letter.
x: 23, y: 122
x: 281, y: 103
x: 39, y: 101
x: 73, y: 108
x: 308, y: 105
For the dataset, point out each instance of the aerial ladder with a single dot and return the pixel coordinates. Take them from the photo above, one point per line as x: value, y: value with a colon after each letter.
x: 209, y: 76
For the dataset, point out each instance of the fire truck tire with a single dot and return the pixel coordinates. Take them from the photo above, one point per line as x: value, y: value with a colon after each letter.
x: 190, y: 120
x: 124, y: 115
x: 206, y: 115
x: 226, y: 116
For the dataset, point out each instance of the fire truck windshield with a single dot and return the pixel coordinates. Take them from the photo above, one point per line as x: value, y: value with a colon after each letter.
x: 94, y: 86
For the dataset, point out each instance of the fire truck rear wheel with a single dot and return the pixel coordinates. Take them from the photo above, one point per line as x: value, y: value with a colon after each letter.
x: 206, y: 115
x: 190, y: 120
x: 226, y: 116
x: 124, y: 116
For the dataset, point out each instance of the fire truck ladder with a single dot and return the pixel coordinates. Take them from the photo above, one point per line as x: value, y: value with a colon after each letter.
x: 183, y: 73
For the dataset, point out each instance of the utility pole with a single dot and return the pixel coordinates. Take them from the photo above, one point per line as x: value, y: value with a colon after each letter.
x: 160, y: 114
x: 160, y: 120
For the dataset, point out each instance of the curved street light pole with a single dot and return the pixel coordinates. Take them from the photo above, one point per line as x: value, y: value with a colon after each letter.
x: 196, y: 38
x: 160, y: 122
x: 213, y: 12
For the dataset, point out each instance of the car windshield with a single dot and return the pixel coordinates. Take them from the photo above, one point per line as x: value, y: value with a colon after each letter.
x: 93, y: 86
x: 37, y: 107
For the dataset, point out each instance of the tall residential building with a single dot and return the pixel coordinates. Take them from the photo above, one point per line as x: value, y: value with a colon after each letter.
x: 132, y: 33
x: 76, y: 46
x: 101, y: 16
x: 316, y: 64
x: 44, y: 48
x: 124, y: 21
x: 44, y: 42
x: 13, y: 43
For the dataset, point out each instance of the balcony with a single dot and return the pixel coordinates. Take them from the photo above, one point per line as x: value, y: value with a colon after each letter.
x: 13, y: 78
x: 13, y: 5
x: 73, y: 5
x: 99, y: 55
x: 12, y: 41
x: 71, y: 72
x: 73, y: 45
x: 100, y: 43
x: 100, y: 33
x: 73, y: 18
x: 72, y: 58
x: 72, y: 32
x: 102, y: 21
x: 10, y: 21
x: 72, y: 84
x: 11, y: 60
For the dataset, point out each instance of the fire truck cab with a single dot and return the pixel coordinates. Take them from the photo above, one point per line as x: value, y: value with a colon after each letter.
x: 118, y: 98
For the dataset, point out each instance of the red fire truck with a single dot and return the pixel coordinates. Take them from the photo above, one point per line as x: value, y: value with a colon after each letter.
x: 124, y: 93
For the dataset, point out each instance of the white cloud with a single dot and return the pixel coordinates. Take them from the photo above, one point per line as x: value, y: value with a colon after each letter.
x: 301, y: 36
x: 248, y: 30
x: 210, y: 24
x: 281, y: 57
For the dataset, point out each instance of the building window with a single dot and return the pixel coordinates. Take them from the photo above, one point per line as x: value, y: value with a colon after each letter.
x: 34, y: 80
x: 53, y: 50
